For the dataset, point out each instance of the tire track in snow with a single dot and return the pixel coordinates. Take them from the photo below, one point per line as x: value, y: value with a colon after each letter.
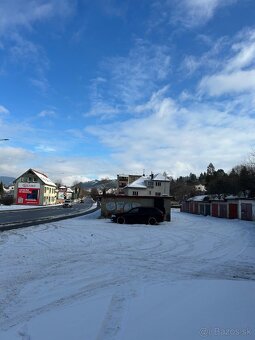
x: 112, y: 322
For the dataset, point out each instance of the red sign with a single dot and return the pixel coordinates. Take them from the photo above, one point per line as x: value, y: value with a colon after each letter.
x: 28, y: 196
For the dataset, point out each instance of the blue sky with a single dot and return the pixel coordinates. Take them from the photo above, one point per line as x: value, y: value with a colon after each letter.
x: 92, y: 89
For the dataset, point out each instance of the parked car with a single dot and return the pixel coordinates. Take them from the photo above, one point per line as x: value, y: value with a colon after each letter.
x: 67, y: 204
x: 146, y: 215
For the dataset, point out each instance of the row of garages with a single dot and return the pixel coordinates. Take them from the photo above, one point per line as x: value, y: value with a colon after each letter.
x: 233, y: 209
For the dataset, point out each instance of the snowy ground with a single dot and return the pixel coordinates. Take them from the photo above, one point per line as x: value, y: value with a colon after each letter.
x: 89, y: 279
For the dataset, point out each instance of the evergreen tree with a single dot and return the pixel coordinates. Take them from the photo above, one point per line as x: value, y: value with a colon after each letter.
x: 210, y: 170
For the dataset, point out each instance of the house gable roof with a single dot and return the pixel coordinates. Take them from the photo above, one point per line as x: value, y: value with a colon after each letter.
x: 44, y: 178
x: 161, y: 177
x: 140, y: 183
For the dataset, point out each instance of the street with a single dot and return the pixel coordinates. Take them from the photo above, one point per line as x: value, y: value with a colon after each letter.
x: 20, y: 216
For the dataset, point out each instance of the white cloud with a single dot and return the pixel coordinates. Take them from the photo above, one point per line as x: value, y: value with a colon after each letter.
x: 41, y: 83
x: 198, y: 12
x: 237, y: 73
x: 47, y: 113
x: 17, y: 14
x: 45, y: 148
x: 244, y: 51
x: 190, y: 64
x: 14, y: 161
x: 237, y: 82
x: 3, y: 110
x: 73, y: 169
x: 128, y: 80
x: 189, y: 13
x: 102, y: 109
x: 202, y: 10
x: 176, y: 138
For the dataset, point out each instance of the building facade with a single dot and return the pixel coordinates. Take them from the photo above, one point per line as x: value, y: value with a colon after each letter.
x: 232, y: 208
x: 124, y: 180
x: 119, y: 203
x: 153, y: 185
x: 34, y: 188
x: 63, y: 193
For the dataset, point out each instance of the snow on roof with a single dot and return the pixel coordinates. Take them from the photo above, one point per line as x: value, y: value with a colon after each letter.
x: 139, y: 183
x: 45, y: 179
x: 160, y: 177
x: 229, y: 197
x: 198, y: 198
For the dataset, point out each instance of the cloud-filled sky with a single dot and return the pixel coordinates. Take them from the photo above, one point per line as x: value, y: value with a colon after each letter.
x: 93, y: 89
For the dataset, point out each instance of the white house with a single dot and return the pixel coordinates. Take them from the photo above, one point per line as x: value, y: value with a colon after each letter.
x: 200, y: 187
x: 153, y: 185
x: 34, y: 188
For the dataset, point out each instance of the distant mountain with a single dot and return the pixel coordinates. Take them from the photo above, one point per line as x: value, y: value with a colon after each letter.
x: 99, y: 184
x: 7, y: 180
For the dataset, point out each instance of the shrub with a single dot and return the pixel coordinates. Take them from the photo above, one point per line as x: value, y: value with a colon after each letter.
x: 7, y: 200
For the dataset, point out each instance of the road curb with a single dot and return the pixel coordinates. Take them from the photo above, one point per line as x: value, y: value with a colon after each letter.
x: 17, y: 225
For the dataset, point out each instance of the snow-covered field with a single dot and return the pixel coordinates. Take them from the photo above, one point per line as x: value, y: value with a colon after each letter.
x: 89, y: 279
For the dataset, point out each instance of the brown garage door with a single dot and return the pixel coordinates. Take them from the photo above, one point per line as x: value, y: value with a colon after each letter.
x: 246, y: 211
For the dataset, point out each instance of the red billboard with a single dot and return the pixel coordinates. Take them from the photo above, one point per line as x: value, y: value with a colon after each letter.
x: 28, y: 193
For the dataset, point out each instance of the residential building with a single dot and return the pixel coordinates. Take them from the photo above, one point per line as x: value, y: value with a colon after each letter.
x: 124, y: 180
x: 200, y: 188
x: 63, y: 192
x: 34, y: 188
x: 153, y: 185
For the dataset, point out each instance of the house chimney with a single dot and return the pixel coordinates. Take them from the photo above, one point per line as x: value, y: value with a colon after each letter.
x: 152, y: 175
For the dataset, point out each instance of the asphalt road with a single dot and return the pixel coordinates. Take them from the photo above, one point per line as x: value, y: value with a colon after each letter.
x: 28, y: 216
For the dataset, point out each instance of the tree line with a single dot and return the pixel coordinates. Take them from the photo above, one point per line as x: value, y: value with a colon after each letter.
x: 239, y: 181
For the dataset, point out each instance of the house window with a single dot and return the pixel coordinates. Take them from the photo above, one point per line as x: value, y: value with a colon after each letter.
x: 135, y: 193
x: 34, y: 179
x: 150, y: 184
x: 29, y: 179
x: 158, y: 184
x: 157, y: 193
